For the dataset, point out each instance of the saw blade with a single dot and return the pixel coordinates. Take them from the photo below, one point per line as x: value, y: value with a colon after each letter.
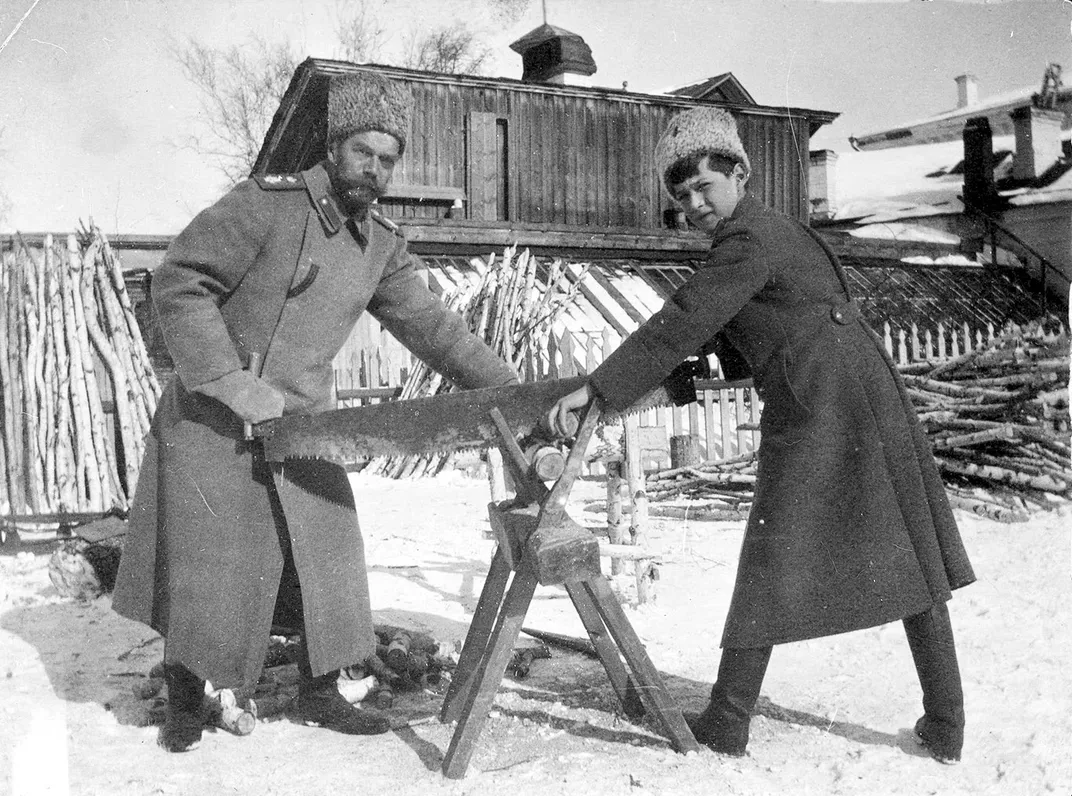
x: 655, y: 399
x: 421, y: 426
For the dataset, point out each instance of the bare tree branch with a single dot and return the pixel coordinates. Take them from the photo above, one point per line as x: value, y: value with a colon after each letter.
x: 453, y: 49
x: 241, y: 87
x: 361, y: 34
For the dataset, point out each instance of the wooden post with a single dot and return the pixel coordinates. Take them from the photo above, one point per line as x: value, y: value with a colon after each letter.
x: 725, y: 422
x: 33, y: 391
x: 50, y: 411
x: 614, y: 511
x: 743, y: 435
x: 66, y: 471
x: 9, y: 412
x: 569, y: 363
x: 684, y: 451
x: 709, y: 424
x: 17, y: 385
x: 754, y: 412
x: 496, y: 475
x: 638, y: 496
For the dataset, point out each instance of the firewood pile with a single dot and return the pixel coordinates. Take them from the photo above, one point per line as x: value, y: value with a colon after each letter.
x: 511, y: 308
x: 997, y: 418
x: 77, y: 389
x: 725, y: 486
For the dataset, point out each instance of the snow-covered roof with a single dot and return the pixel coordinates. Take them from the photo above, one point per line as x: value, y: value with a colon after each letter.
x: 891, y: 185
x: 948, y: 125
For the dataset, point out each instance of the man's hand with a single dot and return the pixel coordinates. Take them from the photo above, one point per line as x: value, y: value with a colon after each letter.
x: 251, y: 398
x: 258, y: 402
x: 562, y: 420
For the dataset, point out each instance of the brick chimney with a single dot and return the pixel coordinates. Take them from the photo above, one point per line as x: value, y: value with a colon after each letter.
x: 550, y: 54
x: 1038, y: 140
x: 967, y: 90
x: 822, y: 183
x: 979, y: 189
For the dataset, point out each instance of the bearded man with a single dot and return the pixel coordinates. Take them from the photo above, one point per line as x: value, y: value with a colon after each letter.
x: 220, y: 540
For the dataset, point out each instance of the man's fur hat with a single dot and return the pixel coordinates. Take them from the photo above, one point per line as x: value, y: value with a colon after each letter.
x: 701, y: 129
x: 363, y: 101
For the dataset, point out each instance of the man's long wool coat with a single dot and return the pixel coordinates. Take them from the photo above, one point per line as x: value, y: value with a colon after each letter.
x: 850, y: 526
x: 211, y: 521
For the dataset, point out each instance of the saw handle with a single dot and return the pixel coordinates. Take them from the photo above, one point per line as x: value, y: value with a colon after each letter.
x: 254, y: 365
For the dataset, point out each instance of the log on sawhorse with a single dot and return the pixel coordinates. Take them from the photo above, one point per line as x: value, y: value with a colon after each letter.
x: 538, y: 543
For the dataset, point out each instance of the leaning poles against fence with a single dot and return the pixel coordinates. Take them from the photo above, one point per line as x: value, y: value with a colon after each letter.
x: 77, y: 389
x: 511, y: 308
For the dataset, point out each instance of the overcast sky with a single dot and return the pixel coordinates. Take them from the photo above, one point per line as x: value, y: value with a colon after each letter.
x: 93, y: 110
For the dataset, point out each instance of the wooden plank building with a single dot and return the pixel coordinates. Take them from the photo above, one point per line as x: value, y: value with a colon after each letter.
x: 539, y: 158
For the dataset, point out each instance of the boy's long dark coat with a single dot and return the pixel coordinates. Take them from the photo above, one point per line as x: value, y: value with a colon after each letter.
x: 850, y: 526
x: 207, y: 539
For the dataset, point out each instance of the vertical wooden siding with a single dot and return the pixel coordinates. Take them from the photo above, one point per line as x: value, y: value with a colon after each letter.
x: 583, y: 161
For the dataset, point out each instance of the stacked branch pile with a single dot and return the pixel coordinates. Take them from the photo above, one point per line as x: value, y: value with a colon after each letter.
x: 511, y: 308
x: 997, y: 418
x: 77, y: 389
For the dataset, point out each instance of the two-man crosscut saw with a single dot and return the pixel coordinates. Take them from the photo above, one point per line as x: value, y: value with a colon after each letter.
x: 443, y: 423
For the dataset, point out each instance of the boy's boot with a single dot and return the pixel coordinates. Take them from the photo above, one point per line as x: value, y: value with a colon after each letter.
x: 183, y: 721
x: 941, y: 728
x: 723, y: 726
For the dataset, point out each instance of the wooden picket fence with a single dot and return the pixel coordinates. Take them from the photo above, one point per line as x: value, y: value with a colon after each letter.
x: 946, y: 341
x: 371, y: 367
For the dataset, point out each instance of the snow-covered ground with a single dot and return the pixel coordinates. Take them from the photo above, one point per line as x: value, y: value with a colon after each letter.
x: 834, y: 717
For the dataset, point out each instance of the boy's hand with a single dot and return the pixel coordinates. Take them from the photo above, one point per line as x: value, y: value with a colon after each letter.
x: 562, y: 419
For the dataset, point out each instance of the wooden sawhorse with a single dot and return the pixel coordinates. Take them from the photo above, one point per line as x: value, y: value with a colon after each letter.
x: 539, y: 544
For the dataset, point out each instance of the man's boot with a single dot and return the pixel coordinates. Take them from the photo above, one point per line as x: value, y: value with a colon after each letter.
x: 723, y: 726
x: 941, y: 728
x: 183, y: 721
x: 319, y: 703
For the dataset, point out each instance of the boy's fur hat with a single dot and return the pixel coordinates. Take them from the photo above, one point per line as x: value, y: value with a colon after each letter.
x: 701, y: 129
x: 363, y: 101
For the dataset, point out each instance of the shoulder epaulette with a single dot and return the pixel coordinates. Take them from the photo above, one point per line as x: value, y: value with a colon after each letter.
x: 280, y: 182
x: 385, y: 222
